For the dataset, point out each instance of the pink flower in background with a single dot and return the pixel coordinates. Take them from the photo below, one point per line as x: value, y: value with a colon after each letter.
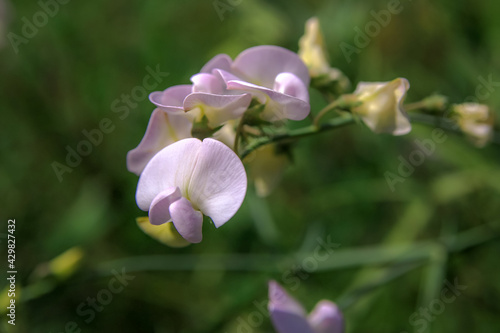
x: 288, y: 316
x: 191, y: 178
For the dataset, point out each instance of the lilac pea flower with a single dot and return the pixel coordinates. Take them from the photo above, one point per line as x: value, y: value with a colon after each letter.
x: 189, y: 179
x: 163, y: 129
x: 275, y: 76
x: 288, y: 316
x: 211, y: 99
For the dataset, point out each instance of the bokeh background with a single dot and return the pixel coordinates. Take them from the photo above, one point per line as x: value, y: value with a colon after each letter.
x: 64, y: 80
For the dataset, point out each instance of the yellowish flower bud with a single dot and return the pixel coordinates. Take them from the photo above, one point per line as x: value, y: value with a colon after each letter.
x: 382, y: 109
x: 164, y: 233
x: 313, y: 53
x: 65, y: 264
x: 476, y: 121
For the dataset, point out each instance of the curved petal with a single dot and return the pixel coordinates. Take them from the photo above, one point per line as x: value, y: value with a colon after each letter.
x: 279, y: 106
x: 170, y: 167
x: 219, y: 183
x: 163, y: 129
x: 164, y: 233
x: 208, y: 83
x: 187, y: 221
x: 221, y: 61
x: 218, y: 108
x: 326, y: 318
x: 289, y: 84
x: 159, y: 210
x: 171, y: 99
x: 287, y: 315
x: 261, y: 65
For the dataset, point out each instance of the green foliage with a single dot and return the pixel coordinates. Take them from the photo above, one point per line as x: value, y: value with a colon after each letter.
x: 66, y: 78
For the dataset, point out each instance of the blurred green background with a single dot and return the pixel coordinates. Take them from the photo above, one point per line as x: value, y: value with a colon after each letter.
x: 64, y: 80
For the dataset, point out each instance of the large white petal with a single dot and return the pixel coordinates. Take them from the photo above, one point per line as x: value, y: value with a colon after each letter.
x: 219, y: 183
x: 171, y: 167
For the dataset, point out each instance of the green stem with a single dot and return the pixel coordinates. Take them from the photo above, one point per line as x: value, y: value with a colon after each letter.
x: 415, y: 106
x: 332, y: 106
x: 298, y: 133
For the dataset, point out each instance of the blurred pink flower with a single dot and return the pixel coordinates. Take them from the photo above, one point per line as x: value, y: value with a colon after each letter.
x: 288, y: 316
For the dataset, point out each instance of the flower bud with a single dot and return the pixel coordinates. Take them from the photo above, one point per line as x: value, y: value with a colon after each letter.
x: 382, y: 109
x: 65, y: 264
x: 313, y: 53
x: 476, y: 121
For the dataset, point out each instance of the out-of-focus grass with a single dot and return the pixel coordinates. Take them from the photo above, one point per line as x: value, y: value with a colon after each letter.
x: 66, y: 78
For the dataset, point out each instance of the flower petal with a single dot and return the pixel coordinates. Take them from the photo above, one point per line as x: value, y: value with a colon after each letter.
x: 287, y: 315
x: 208, y: 83
x: 289, y: 84
x: 221, y: 61
x: 326, y: 318
x: 382, y: 109
x: 187, y: 221
x: 261, y: 65
x: 163, y: 129
x: 171, y: 99
x: 218, y: 108
x: 159, y: 210
x: 218, y: 183
x: 278, y: 106
x: 170, y: 167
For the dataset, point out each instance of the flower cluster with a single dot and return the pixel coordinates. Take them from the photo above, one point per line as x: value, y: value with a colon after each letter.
x: 183, y: 178
x: 190, y: 160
